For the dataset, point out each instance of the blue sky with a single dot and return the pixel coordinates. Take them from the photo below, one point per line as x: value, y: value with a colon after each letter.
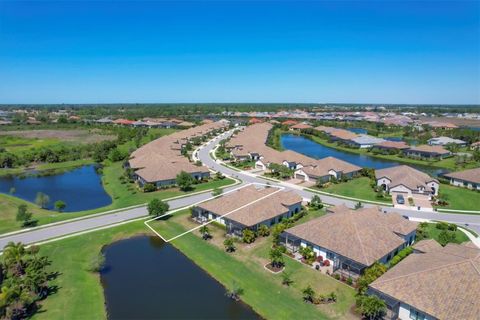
x: 226, y: 51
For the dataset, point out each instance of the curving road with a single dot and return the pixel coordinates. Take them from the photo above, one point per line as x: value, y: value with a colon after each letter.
x: 45, y: 233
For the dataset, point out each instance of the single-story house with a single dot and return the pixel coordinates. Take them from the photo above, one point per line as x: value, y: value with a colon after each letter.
x: 249, y: 207
x: 406, y: 180
x: 392, y: 145
x: 467, y: 178
x: 428, y: 152
x: 300, y: 126
x: 353, y: 239
x: 443, y: 141
x: 365, y: 141
x: 326, y: 168
x: 434, y: 282
x: 289, y: 122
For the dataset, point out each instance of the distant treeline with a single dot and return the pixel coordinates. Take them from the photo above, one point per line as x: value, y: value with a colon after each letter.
x: 193, y: 109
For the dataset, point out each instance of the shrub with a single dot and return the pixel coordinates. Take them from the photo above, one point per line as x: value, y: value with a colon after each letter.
x: 248, y: 236
x: 149, y: 187
x: 229, y: 245
x: 349, y: 281
x: 371, y: 307
x: 442, y: 226
x: 97, y: 263
x: 263, y: 231
x: 452, y: 227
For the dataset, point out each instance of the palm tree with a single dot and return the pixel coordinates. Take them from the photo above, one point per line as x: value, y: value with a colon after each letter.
x: 229, y: 245
x: 286, y: 280
x: 13, y: 255
x: 308, y: 294
x: 276, y: 258
x: 205, y: 232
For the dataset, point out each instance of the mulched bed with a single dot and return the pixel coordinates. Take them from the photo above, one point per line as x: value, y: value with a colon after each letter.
x: 274, y: 269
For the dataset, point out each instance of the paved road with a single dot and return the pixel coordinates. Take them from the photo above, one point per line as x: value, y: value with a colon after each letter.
x: 59, y: 230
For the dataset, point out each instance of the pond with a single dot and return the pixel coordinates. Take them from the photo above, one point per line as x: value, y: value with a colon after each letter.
x: 315, y: 150
x: 81, y: 188
x: 146, y: 278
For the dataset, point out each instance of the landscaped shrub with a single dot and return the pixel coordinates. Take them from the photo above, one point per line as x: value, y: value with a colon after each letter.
x: 349, y: 281
x: 442, y: 226
x: 452, y: 227
x: 248, y: 236
x: 149, y: 187
x: 326, y: 263
x: 263, y: 231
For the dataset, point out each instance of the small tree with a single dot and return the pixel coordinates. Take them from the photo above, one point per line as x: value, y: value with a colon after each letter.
x: 219, y: 176
x: 445, y: 237
x: 308, y: 294
x: 23, y: 215
x: 276, y: 258
x: 229, y: 245
x: 184, y: 181
x: 60, y: 205
x: 286, y: 278
x: 205, y: 232
x: 263, y: 231
x: 358, y: 205
x: 157, y: 207
x: 248, y: 236
x: 316, y: 202
x: 42, y: 200
x: 371, y: 307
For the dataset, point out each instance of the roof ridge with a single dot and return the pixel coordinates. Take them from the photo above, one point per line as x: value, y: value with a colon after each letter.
x: 357, y: 235
x: 427, y: 270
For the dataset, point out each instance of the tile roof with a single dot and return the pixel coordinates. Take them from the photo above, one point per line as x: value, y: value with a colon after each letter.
x: 471, y: 175
x: 429, y: 149
x: 365, y: 235
x: 405, y: 175
x: 301, y: 126
x: 270, y: 202
x: 393, y: 144
x: 444, y: 283
x: 321, y: 167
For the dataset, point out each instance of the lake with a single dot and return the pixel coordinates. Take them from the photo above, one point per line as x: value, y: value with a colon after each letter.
x: 146, y: 278
x: 315, y: 150
x: 81, y: 188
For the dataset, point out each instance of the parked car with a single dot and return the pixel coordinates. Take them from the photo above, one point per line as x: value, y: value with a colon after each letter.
x: 400, y: 199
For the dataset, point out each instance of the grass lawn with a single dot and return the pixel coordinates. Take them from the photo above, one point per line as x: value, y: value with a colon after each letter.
x: 460, y: 198
x: 51, y: 167
x: 355, y: 188
x: 263, y: 290
x: 80, y: 294
x: 123, y: 195
x: 433, y: 233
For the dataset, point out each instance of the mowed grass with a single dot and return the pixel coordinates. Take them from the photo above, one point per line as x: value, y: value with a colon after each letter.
x: 356, y: 188
x: 459, y: 198
x: 263, y: 290
x: 433, y: 233
x: 123, y: 195
x: 80, y: 294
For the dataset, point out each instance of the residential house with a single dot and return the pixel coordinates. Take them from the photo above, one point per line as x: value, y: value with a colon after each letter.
x: 406, y: 180
x: 300, y: 126
x: 289, y: 122
x: 434, y: 282
x: 363, y: 141
x: 395, y: 146
x: 249, y: 207
x: 325, y: 169
x: 427, y: 152
x: 352, y: 239
x: 443, y: 141
x: 468, y: 178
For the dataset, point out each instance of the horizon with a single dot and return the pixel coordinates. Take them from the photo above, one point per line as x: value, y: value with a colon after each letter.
x: 371, y: 53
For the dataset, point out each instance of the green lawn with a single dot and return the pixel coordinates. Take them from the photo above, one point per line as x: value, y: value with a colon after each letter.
x: 123, y: 195
x: 356, y: 188
x: 51, y: 167
x: 433, y: 233
x: 460, y: 198
x: 263, y: 290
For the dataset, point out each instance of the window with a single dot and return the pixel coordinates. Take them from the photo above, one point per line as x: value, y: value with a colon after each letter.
x: 416, y: 315
x: 330, y: 255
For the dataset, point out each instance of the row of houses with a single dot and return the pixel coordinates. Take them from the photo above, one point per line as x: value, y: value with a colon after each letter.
x: 160, y: 161
x: 433, y: 282
x: 433, y: 151
x: 148, y: 122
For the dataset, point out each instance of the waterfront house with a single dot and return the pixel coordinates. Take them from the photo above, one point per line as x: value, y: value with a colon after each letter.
x: 427, y: 152
x: 249, y: 207
x: 300, y: 127
x: 468, y: 178
x: 395, y: 146
x: 406, y: 180
x: 363, y: 141
x: 325, y: 169
x: 443, y: 141
x: 434, y: 282
x: 352, y: 239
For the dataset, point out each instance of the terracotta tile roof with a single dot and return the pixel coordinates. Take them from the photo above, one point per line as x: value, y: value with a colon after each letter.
x: 270, y: 203
x: 445, y: 283
x: 471, y: 175
x: 255, y: 120
x: 400, y: 145
x: 365, y: 235
x: 289, y: 122
x: 123, y: 121
x: 429, y: 149
x: 301, y: 126
x: 321, y: 167
x: 405, y: 175
x: 343, y: 134
x: 325, y: 129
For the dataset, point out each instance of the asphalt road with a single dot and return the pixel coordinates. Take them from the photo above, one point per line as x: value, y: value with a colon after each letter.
x: 60, y: 230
